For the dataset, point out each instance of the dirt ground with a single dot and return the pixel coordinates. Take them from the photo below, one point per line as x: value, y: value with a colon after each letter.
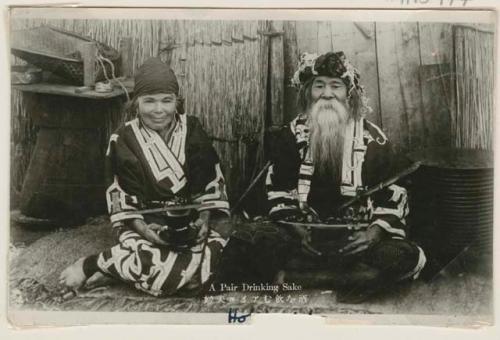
x: 37, y: 257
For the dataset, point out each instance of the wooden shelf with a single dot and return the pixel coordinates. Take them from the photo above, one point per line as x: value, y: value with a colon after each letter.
x: 68, y: 90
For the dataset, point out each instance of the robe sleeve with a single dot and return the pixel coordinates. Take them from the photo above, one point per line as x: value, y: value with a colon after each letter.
x: 282, y: 175
x: 125, y: 181
x: 389, y: 206
x: 205, y: 179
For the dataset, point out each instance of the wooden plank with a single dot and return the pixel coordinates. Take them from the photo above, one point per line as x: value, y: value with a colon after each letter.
x: 291, y: 59
x: 436, y: 50
x: 358, y: 42
x: 435, y: 89
x: 324, y: 37
x: 436, y: 43
x: 277, y: 75
x: 399, y: 83
x: 67, y: 90
x: 307, y: 36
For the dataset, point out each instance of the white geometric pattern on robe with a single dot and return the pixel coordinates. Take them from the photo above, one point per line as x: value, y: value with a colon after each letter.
x: 353, y: 158
x: 162, y: 161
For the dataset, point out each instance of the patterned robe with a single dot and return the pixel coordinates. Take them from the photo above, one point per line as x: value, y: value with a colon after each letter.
x: 292, y: 182
x: 144, y: 171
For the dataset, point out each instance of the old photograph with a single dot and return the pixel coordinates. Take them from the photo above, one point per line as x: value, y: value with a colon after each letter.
x: 234, y: 162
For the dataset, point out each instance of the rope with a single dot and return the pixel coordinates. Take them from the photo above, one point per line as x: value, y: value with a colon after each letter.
x: 101, y: 58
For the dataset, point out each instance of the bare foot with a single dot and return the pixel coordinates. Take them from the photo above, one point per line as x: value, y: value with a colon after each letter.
x: 99, y: 280
x: 73, y: 276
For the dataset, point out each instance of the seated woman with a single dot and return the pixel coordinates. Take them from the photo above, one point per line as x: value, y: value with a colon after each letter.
x: 161, y: 158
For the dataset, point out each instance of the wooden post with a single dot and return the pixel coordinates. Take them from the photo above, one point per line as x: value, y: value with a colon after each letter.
x: 88, y: 51
x: 127, y: 57
x: 264, y: 72
x: 291, y: 59
x: 276, y: 76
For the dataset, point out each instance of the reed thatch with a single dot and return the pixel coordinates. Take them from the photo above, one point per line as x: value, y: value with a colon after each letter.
x: 218, y: 67
x: 222, y: 70
x: 472, y: 121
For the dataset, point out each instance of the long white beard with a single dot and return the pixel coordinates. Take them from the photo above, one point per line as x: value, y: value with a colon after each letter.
x: 328, y: 119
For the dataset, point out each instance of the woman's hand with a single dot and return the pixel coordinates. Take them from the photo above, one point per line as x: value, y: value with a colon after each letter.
x: 202, y: 224
x: 148, y: 231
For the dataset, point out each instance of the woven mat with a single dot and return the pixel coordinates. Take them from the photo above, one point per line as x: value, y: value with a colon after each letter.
x: 34, y: 271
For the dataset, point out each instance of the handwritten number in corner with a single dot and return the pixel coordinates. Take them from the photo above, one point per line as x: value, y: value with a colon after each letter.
x: 233, y: 316
x: 449, y: 3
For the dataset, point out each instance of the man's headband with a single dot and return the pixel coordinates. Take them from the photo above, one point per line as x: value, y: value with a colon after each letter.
x: 331, y: 64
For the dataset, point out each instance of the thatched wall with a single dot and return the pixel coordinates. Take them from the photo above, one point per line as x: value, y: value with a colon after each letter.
x: 221, y: 66
x: 472, y: 121
x: 236, y: 80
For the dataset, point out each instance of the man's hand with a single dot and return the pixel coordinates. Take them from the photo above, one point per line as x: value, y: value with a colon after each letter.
x: 308, y: 213
x: 362, y: 240
x: 149, y: 231
x: 202, y: 224
x: 305, y: 236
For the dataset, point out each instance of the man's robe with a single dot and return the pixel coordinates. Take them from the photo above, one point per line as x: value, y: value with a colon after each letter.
x: 366, y: 161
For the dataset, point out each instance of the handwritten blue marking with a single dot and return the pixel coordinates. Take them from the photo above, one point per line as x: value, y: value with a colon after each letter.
x: 233, y: 316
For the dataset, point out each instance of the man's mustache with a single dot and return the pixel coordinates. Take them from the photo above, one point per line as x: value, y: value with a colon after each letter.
x: 328, y: 105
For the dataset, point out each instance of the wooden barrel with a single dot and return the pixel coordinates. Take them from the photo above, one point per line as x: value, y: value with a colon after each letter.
x: 452, y: 202
x: 65, y: 183
x: 65, y: 178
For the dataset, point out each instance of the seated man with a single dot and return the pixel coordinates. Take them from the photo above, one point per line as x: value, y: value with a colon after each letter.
x: 161, y: 159
x: 324, y: 157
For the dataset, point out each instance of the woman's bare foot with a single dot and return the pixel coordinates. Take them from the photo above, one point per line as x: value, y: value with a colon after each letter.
x: 73, y: 276
x: 98, y: 280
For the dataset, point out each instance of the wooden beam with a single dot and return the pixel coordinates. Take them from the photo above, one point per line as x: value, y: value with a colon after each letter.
x: 88, y: 51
